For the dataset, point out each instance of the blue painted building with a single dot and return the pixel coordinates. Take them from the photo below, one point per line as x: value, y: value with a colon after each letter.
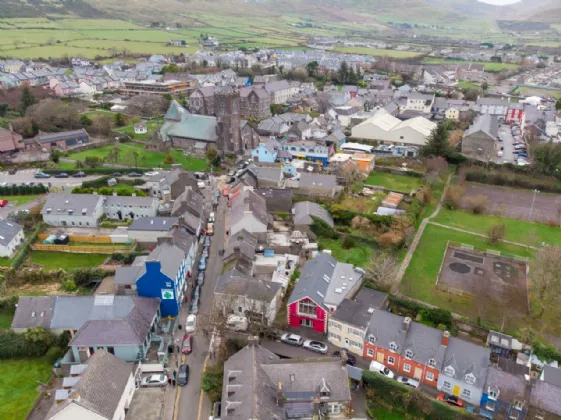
x: 309, y: 150
x: 165, y: 277
x: 266, y: 152
x: 507, y: 390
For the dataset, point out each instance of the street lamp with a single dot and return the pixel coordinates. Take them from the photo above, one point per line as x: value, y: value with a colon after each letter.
x: 532, y: 207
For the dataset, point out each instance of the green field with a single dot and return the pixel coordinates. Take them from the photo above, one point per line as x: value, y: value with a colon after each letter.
x: 526, y: 91
x: 520, y: 231
x: 467, y: 85
x: 18, y: 200
x: 359, y: 255
x: 146, y: 159
x: 18, y: 385
x: 493, y: 67
x: 393, y: 182
x: 66, y: 260
x: 378, y: 52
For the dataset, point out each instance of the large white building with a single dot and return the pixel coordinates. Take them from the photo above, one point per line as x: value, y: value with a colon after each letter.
x: 388, y: 129
x: 11, y: 236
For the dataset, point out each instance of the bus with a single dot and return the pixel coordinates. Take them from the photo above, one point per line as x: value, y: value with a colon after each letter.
x: 356, y: 148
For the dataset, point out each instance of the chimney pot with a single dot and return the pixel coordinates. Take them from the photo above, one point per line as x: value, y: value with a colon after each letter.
x: 445, y: 338
x: 406, y: 323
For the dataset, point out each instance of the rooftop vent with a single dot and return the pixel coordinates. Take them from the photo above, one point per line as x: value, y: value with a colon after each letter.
x: 339, y: 290
x: 320, y: 294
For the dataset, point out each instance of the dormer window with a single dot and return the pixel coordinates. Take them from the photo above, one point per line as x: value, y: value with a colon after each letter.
x: 470, y: 379
x: 493, y: 393
x: 449, y: 371
x: 393, y: 346
x: 371, y: 339
x: 518, y: 404
x: 432, y: 363
x: 409, y: 354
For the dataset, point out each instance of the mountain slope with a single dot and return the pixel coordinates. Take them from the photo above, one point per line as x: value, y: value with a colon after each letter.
x: 41, y: 8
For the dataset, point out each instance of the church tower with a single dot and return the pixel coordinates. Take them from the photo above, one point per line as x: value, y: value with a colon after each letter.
x: 227, y: 109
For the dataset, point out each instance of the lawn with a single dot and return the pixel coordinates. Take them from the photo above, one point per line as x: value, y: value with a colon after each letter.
x: 393, y: 182
x: 18, y: 200
x: 366, y: 205
x: 529, y: 91
x: 18, y: 385
x: 467, y: 85
x: 492, y: 67
x: 520, y: 231
x: 129, y: 129
x: 146, y: 159
x: 6, y: 320
x: 421, y: 274
x: 66, y: 260
x: 359, y: 255
x: 377, y: 52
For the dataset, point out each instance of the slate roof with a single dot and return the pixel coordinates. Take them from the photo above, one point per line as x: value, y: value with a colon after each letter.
x: 344, y: 278
x: 249, y: 201
x: 276, y: 199
x: 47, y: 138
x: 271, y: 174
x: 552, y: 375
x: 234, y: 282
x: 425, y: 343
x: 34, y: 311
x: 546, y: 397
x: 8, y: 230
x: 170, y: 257
x: 180, y: 123
x: 508, y: 385
x: 135, y: 201
x: 100, y: 386
x: 314, y: 280
x: 311, y: 180
x: 276, y: 86
x: 498, y: 339
x: 153, y: 224
x: 127, y: 275
x: 304, y: 210
x: 356, y: 311
x: 465, y: 358
x: 245, y: 240
x: 188, y: 201
x: 387, y: 328
x: 182, y: 238
x: 488, y: 124
x: 60, y: 204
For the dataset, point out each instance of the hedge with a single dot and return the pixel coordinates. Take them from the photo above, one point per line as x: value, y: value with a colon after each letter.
x: 404, y: 399
x: 14, y: 344
x: 102, y: 170
x: 345, y: 217
x: 102, y: 182
x: 8, y: 304
x: 513, y: 179
x: 16, y: 190
x: 435, y: 316
x: 24, y: 250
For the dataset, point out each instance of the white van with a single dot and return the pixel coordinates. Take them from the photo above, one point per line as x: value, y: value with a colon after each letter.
x: 237, y: 323
x: 381, y: 369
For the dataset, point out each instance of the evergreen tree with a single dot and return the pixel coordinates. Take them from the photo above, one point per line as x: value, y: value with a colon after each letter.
x: 351, y: 78
x: 343, y: 72
x: 558, y: 104
x: 27, y: 99
x: 438, y: 143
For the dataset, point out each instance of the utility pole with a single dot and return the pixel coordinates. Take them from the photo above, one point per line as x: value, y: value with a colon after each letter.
x: 532, y: 207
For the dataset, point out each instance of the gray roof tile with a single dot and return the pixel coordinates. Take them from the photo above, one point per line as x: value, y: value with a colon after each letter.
x: 304, y: 210
x: 358, y: 311
x: 8, y: 230
x: 314, y: 280
x: 465, y: 358
x: 234, y: 282
x: 163, y: 224
x: 170, y: 257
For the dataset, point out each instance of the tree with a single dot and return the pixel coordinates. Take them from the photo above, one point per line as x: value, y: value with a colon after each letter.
x: 343, y: 72
x: 120, y: 120
x: 324, y: 102
x: 101, y: 125
x: 558, y: 104
x: 135, y: 158
x: 27, y: 99
x: 169, y: 159
x: 484, y: 86
x: 24, y: 126
x: 3, y: 109
x: 54, y: 115
x: 39, y: 335
x: 277, y: 109
x: 470, y: 94
x: 212, y: 156
x: 434, y: 167
x: 350, y: 173
x: 496, y: 233
x: 438, y: 143
x: 55, y: 155
x: 147, y: 105
x: 546, y: 277
x: 477, y: 203
x: 454, y: 196
x: 85, y: 120
x: 93, y: 161
x: 312, y: 68
x: 381, y: 273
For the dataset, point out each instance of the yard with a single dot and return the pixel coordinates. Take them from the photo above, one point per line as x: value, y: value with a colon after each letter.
x: 18, y: 200
x: 6, y: 320
x: 520, y: 231
x: 359, y: 255
x: 54, y: 260
x: 129, y: 129
x: 366, y: 205
x: 18, y: 385
x: 467, y: 85
x: 145, y: 159
x: 378, y: 52
x: 401, y: 183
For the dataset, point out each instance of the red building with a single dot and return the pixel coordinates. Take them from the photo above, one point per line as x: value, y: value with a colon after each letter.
x: 307, y: 313
x: 515, y: 113
x: 10, y: 141
x: 408, y: 348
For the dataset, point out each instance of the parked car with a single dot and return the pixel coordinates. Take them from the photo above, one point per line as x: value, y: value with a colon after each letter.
x: 154, y: 380
x: 292, y: 339
x: 450, y: 399
x: 207, y: 240
x: 316, y: 346
x: 135, y: 175
x: 210, y: 229
x: 408, y: 381
x: 61, y: 175
x: 351, y: 359
x: 41, y: 175
x: 194, y: 309
x: 186, y: 346
x: 381, y: 369
x: 12, y: 171
x: 151, y: 173
x: 3, y: 203
x: 116, y: 174
x: 200, y: 279
x: 202, y: 264
x: 191, y: 323
x: 183, y: 375
x: 205, y: 252
x: 197, y: 292
x: 79, y: 174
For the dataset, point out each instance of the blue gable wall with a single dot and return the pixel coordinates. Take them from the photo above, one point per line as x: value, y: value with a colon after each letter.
x: 263, y: 154
x: 155, y: 284
x: 501, y: 407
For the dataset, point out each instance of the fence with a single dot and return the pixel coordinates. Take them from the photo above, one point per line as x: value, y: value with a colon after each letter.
x: 490, y: 252
x: 85, y: 249
x: 82, y: 238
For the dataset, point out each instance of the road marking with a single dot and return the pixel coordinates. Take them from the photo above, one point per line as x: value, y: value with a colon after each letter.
x: 201, y: 395
x: 177, y: 392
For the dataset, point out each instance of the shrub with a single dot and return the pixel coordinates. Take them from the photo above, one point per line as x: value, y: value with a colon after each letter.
x: 54, y: 353
x: 437, y: 316
x: 477, y: 203
x: 349, y: 242
x: 85, y: 276
x: 454, y: 197
x: 34, y: 343
x: 69, y: 286
x: 496, y: 233
x: 211, y: 382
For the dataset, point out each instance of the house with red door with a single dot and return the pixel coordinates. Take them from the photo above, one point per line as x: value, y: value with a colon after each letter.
x: 322, y: 287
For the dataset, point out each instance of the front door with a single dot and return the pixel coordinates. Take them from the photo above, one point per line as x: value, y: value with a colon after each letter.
x: 380, y: 357
x: 456, y: 391
x: 418, y: 373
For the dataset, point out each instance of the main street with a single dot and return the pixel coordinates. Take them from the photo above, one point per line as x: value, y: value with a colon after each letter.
x: 193, y: 404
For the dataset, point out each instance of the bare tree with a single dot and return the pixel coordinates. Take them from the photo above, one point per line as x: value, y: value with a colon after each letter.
x: 496, y: 233
x: 324, y: 102
x: 350, y: 173
x: 147, y: 106
x: 454, y: 196
x: 546, y: 277
x: 382, y: 271
x: 54, y: 115
x: 481, y: 290
x: 477, y: 203
x: 434, y: 167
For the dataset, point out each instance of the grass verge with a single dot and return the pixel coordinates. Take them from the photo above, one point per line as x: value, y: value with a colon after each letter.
x: 18, y: 200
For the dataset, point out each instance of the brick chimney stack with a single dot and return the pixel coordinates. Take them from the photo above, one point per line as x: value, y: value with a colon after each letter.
x: 445, y: 338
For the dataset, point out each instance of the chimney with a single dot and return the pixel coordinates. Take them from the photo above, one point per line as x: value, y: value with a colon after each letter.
x: 445, y: 337
x: 406, y: 323
x: 253, y: 340
x: 280, y: 394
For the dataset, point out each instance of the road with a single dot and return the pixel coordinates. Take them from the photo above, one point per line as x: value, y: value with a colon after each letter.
x: 508, y: 147
x: 190, y: 396
x: 28, y: 175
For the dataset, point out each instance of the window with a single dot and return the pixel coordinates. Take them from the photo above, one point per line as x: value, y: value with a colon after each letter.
x: 432, y: 363
x: 409, y: 354
x: 519, y: 405
x: 306, y: 307
x: 449, y: 370
x: 493, y: 394
x: 335, y: 325
x: 490, y: 406
x: 393, y: 346
x: 446, y: 386
x: 429, y: 376
x: 391, y: 360
x: 406, y: 368
x: 466, y: 393
x: 371, y: 339
x: 470, y: 379
x: 334, y: 408
x: 335, y: 336
x: 370, y: 353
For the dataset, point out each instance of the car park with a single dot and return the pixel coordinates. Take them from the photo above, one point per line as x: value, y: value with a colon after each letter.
x: 292, y: 339
x: 186, y: 346
x: 202, y: 264
x: 183, y: 375
x: 41, y: 175
x: 351, y: 359
x: 381, y: 369
x: 61, y: 175
x: 200, y: 279
x: 191, y: 323
x: 450, y: 399
x: 316, y: 346
x: 154, y: 381
x: 412, y: 383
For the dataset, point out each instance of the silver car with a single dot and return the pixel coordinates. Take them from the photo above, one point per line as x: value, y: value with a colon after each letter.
x: 292, y: 339
x: 316, y: 346
x: 153, y: 381
x: 408, y: 381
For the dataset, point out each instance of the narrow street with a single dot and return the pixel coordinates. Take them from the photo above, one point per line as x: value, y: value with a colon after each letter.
x: 507, y: 144
x: 191, y: 398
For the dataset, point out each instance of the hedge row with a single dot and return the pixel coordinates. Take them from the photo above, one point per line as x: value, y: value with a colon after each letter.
x: 510, y: 179
x: 102, y: 182
x: 24, y: 250
x: 404, y: 399
x: 435, y: 316
x: 16, y: 190
x: 102, y: 170
x: 30, y: 344
x: 345, y: 217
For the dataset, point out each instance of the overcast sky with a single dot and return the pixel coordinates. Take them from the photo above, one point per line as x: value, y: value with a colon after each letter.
x: 499, y: 2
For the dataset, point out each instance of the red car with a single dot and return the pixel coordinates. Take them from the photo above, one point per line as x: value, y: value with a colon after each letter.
x: 450, y: 399
x: 186, y: 347
x: 225, y: 192
x: 3, y: 203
